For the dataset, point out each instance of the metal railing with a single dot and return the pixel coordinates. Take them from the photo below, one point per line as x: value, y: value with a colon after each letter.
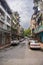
x: 2, y: 18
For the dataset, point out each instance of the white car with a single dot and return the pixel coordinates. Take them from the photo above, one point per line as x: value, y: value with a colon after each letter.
x: 34, y: 44
x: 15, y: 41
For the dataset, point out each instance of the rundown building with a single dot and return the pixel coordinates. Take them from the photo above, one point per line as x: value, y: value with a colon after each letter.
x: 5, y: 23
x: 13, y: 27
x: 38, y: 12
x: 15, y: 30
x: 33, y: 25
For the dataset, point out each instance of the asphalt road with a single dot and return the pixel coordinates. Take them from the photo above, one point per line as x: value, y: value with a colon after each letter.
x: 21, y: 55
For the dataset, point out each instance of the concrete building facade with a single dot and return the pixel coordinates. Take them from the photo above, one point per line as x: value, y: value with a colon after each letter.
x: 38, y: 17
x: 15, y: 25
x: 5, y: 23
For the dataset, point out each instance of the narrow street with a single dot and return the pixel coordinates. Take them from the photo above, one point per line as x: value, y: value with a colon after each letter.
x: 21, y: 55
x: 21, y: 32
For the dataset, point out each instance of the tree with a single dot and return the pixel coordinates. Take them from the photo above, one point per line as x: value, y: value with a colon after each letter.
x: 27, y: 32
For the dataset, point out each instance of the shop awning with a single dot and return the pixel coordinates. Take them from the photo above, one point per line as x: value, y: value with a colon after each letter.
x: 38, y: 29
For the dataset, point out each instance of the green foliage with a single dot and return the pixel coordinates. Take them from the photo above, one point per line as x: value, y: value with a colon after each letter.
x: 27, y: 32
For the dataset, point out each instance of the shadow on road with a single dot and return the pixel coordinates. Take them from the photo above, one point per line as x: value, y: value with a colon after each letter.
x: 36, y: 49
x: 14, y: 44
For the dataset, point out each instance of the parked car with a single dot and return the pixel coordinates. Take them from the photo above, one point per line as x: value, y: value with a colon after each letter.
x: 15, y: 41
x: 29, y: 41
x: 34, y: 44
x: 22, y: 39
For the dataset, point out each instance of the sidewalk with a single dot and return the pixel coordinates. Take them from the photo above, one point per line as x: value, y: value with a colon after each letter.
x: 41, y: 45
x: 4, y: 46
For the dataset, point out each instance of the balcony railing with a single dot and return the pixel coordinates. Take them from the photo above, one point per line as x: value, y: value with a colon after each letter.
x: 2, y: 18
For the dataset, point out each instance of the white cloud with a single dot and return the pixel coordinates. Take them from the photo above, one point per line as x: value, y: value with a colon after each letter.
x: 24, y: 7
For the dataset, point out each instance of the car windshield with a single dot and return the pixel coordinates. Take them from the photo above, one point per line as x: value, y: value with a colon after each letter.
x: 33, y: 41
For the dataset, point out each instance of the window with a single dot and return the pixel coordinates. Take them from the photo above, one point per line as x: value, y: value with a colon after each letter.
x: 8, y: 19
x: 2, y: 13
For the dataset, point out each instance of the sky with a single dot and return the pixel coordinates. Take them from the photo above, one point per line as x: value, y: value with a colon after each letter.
x: 25, y: 10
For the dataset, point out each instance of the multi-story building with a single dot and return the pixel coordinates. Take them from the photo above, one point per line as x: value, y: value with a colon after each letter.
x: 33, y: 25
x: 15, y: 25
x: 38, y: 12
x: 5, y: 23
x: 21, y: 31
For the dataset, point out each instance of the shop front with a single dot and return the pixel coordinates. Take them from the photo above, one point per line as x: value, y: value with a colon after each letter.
x: 5, y: 38
x: 39, y: 33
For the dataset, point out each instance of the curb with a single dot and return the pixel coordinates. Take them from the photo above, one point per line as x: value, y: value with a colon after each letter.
x: 5, y: 46
x: 41, y: 45
x: 42, y: 49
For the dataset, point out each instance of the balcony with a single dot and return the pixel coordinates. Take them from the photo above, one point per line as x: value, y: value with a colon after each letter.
x: 8, y: 28
x: 4, y: 27
x: 2, y: 18
x: 36, y: 1
x: 35, y: 4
